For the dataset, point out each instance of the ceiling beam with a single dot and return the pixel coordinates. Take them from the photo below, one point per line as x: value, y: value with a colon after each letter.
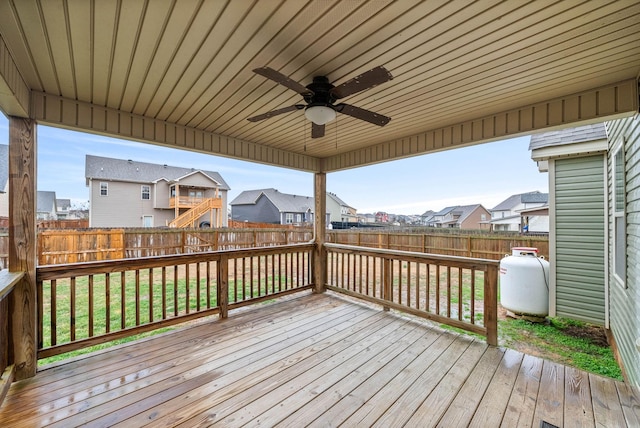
x: 592, y: 106
x: 76, y: 115
x: 14, y: 92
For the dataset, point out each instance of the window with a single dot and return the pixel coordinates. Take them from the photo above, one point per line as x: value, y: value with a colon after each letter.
x: 289, y: 218
x: 147, y: 221
x: 298, y: 218
x: 146, y: 192
x: 483, y: 217
x: 104, y: 189
x: 619, y: 220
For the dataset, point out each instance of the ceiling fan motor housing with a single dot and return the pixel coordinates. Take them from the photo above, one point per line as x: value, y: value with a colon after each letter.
x: 320, y: 94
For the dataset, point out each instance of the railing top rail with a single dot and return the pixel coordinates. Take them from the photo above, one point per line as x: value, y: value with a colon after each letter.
x: 120, y: 265
x: 469, y: 262
x: 8, y: 280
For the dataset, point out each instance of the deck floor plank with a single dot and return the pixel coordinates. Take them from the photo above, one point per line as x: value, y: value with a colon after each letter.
x: 550, y: 402
x: 492, y: 407
x: 522, y: 403
x: 578, y: 410
x: 291, y: 396
x: 315, y: 360
x: 464, y: 405
x: 439, y: 400
x: 208, y: 404
x: 179, y: 362
x: 222, y: 361
x: 607, y: 409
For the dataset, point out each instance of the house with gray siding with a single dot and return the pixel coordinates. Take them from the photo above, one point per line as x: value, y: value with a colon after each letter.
x: 339, y: 210
x: 507, y: 215
x: 272, y: 206
x: 46, y: 207
x: 128, y: 193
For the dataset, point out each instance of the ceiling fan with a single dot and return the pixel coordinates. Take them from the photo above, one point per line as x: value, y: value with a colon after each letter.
x: 320, y: 97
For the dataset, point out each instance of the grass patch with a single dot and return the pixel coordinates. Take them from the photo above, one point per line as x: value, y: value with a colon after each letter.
x: 568, y: 342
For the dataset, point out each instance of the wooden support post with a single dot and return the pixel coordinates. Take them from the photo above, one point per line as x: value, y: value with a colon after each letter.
x: 22, y: 243
x: 386, y: 281
x: 223, y: 286
x: 320, y: 232
x: 491, y: 304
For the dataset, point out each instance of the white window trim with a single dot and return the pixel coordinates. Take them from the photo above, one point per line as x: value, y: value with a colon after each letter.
x: 106, y: 186
x: 618, y: 214
x: 148, y: 192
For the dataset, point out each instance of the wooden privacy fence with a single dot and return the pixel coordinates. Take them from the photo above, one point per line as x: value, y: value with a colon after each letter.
x: 456, y: 291
x: 89, y: 245
x: 81, y: 305
x: 486, y: 246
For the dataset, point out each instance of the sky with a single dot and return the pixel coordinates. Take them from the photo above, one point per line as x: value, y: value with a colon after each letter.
x: 483, y: 174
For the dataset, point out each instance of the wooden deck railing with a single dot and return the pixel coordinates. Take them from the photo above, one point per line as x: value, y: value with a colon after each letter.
x: 8, y: 281
x: 84, y: 304
x: 457, y: 291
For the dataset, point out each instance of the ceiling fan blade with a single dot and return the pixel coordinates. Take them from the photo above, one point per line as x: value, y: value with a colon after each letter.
x: 317, y: 131
x: 362, y: 114
x: 272, y: 113
x: 280, y: 78
x: 366, y: 80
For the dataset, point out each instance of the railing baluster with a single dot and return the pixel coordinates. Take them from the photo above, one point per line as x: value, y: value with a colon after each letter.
x: 187, y: 291
x: 460, y: 293
x: 175, y: 291
x: 151, y: 295
x: 409, y: 284
x: 54, y: 311
x: 473, y: 296
x: 72, y: 308
x: 123, y: 300
x: 40, y: 297
x: 437, y: 297
x: 90, y: 303
x: 137, y: 277
x: 164, y: 292
x: 449, y: 291
x: 208, y: 285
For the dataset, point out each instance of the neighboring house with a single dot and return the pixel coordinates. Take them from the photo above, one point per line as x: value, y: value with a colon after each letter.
x: 127, y: 193
x: 340, y: 211
x: 426, y: 216
x: 458, y: 217
x: 63, y: 208
x: 46, y: 206
x: 595, y: 233
x: 366, y: 218
x: 272, y: 206
x: 381, y: 217
x: 506, y: 216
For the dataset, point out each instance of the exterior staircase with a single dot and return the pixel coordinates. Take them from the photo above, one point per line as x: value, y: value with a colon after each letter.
x: 190, y: 217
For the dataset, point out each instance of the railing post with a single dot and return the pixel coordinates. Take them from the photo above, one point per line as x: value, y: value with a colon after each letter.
x: 491, y: 304
x: 386, y: 281
x: 320, y: 231
x: 222, y: 285
x: 22, y: 243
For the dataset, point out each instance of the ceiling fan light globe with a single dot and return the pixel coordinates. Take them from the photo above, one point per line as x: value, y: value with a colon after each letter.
x: 320, y: 115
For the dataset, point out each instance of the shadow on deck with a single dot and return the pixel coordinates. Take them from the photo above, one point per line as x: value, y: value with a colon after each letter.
x: 316, y: 360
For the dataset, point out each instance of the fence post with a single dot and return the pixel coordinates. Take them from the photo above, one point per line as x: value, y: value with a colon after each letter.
x: 470, y: 253
x: 491, y: 304
x: 222, y: 285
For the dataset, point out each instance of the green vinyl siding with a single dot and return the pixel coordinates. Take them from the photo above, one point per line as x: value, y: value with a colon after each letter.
x: 625, y: 297
x: 580, y: 238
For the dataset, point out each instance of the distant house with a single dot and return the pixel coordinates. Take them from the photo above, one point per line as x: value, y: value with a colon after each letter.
x: 507, y: 216
x: 46, y: 208
x: 63, y: 207
x: 366, y: 218
x: 272, y: 206
x: 426, y: 216
x: 127, y: 193
x: 340, y: 211
x: 458, y: 217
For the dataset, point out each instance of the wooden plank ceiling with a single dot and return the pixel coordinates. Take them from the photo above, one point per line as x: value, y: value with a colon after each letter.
x: 190, y: 63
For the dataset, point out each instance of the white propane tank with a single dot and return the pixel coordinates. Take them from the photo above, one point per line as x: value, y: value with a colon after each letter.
x: 524, y: 282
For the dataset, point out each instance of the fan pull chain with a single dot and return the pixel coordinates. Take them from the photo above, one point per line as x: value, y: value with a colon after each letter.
x: 304, y: 132
x: 336, y: 128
